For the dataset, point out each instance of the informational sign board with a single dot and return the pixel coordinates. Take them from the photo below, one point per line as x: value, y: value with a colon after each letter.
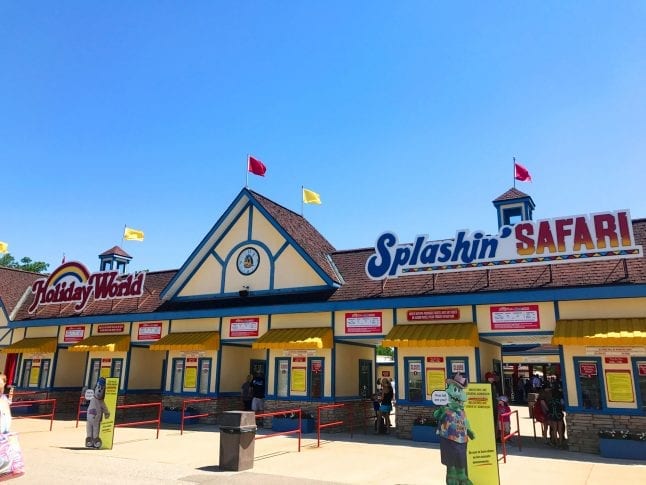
x: 482, y: 454
x: 106, y: 433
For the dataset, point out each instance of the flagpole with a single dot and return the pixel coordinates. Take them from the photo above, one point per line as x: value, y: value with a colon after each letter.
x: 123, y: 234
x: 302, y: 202
x: 246, y: 181
x: 514, y: 159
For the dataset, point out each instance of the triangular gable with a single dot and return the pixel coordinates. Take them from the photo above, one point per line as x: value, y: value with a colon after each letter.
x: 286, y: 255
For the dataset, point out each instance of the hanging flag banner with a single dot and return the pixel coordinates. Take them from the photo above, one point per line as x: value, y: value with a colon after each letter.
x: 130, y: 234
x: 311, y: 197
x: 256, y: 167
x: 572, y: 239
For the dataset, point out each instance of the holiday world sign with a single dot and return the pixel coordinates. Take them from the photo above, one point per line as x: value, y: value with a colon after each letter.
x: 593, y: 237
x: 73, y: 283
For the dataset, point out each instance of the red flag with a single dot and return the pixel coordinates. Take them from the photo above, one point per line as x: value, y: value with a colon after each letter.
x: 521, y: 173
x: 256, y: 167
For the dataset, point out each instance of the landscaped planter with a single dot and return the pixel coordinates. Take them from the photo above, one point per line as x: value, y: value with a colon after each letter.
x: 425, y: 433
x: 289, y: 424
x: 620, y: 448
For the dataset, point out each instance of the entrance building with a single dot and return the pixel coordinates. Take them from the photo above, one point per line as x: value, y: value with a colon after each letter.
x: 265, y: 292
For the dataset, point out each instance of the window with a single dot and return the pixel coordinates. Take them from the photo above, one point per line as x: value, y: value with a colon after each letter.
x: 95, y: 369
x: 365, y: 378
x: 589, y: 386
x: 205, y: 376
x: 44, y: 373
x: 639, y: 371
x: 26, y: 372
x: 414, y: 378
x: 316, y: 377
x: 177, y: 383
x: 458, y: 364
x: 115, y: 371
x: 282, y: 377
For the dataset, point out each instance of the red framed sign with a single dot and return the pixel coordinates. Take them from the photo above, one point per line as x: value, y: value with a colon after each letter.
x: 244, y: 327
x: 514, y: 317
x: 363, y: 322
x: 74, y: 334
x: 149, y: 331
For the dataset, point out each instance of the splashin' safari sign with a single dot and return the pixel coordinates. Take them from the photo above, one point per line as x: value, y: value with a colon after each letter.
x: 73, y: 283
x: 594, y: 237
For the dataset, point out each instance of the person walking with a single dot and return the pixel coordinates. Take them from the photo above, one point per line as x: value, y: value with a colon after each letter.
x: 258, y: 400
x: 247, y: 393
x: 386, y: 406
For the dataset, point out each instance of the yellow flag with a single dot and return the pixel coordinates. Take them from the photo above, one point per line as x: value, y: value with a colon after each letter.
x: 133, y: 234
x: 311, y: 197
x: 4, y: 247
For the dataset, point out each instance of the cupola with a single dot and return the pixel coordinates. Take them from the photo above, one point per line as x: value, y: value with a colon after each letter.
x: 513, y: 206
x: 114, y: 258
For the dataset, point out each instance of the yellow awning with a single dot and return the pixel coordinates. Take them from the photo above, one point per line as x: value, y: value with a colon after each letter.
x: 601, y: 332
x: 38, y: 345
x: 433, y: 335
x: 295, y: 339
x: 188, y: 341
x: 109, y: 343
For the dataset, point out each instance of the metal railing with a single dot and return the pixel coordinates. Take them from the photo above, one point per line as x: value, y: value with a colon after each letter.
x: 504, y: 437
x: 184, y: 416
x: 281, y: 433
x: 158, y: 405
x: 321, y: 425
x: 21, y: 404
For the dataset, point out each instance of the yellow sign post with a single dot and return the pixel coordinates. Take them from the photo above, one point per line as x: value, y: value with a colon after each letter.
x: 106, y: 433
x: 482, y: 454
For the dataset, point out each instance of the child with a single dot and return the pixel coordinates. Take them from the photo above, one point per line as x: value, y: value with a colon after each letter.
x: 503, y: 417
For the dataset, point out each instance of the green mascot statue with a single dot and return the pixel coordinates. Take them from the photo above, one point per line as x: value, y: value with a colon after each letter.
x: 454, y: 431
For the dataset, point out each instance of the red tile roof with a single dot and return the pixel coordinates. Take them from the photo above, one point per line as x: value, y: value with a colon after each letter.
x: 512, y: 194
x: 13, y: 284
x: 116, y: 250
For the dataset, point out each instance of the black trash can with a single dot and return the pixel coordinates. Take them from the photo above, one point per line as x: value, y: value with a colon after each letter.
x: 237, y: 436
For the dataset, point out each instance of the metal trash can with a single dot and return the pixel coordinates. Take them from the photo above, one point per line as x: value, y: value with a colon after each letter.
x: 237, y: 436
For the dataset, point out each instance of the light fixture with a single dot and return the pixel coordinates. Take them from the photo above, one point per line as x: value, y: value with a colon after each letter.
x: 244, y: 292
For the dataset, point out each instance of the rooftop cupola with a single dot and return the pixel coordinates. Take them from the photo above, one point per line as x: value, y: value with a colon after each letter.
x: 513, y: 206
x: 114, y: 258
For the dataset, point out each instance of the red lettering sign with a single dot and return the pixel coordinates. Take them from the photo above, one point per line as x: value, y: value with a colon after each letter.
x: 244, y: 327
x: 514, y: 317
x: 616, y: 360
x: 641, y: 366
x: 74, y: 334
x: 149, y: 331
x: 111, y: 328
x: 73, y: 283
x: 588, y: 369
x: 363, y: 322
x: 433, y: 314
x: 435, y: 359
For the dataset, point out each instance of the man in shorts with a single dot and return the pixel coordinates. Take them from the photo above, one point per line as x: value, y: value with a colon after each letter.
x: 258, y: 401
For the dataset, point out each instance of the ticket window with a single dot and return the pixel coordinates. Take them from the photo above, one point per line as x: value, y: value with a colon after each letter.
x: 95, y: 372
x: 177, y: 379
x: 639, y: 371
x: 414, y: 379
x: 455, y: 365
x: 316, y: 378
x: 589, y: 385
x: 26, y: 372
x: 365, y: 378
x: 44, y: 373
x: 116, y: 368
x: 282, y: 377
x: 205, y: 376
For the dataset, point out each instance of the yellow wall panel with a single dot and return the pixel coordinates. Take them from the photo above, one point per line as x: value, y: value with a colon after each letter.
x: 195, y: 325
x: 488, y: 352
x: 69, y: 369
x: 301, y: 320
x: 292, y: 271
x: 263, y: 231
x: 347, y: 368
x: 146, y: 368
x: 206, y: 280
x: 615, y: 308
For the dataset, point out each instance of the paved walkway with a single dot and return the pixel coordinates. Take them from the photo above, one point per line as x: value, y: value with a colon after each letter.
x: 59, y: 457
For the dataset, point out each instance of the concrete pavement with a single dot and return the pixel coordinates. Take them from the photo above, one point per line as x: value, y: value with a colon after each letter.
x: 59, y: 457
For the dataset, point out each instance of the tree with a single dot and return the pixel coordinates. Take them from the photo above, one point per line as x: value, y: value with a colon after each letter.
x: 385, y: 351
x: 25, y: 264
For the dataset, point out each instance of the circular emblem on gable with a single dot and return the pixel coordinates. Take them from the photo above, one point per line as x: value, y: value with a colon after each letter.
x: 248, y: 261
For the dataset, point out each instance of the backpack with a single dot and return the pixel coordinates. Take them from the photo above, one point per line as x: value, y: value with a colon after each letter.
x: 555, y: 409
x: 539, y: 415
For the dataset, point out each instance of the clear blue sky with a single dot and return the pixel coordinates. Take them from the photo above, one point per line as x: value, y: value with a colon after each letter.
x: 403, y: 116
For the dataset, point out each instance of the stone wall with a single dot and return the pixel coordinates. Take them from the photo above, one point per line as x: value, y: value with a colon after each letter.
x: 583, y: 428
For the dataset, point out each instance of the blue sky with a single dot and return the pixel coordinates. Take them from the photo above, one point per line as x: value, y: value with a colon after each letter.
x: 403, y: 116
